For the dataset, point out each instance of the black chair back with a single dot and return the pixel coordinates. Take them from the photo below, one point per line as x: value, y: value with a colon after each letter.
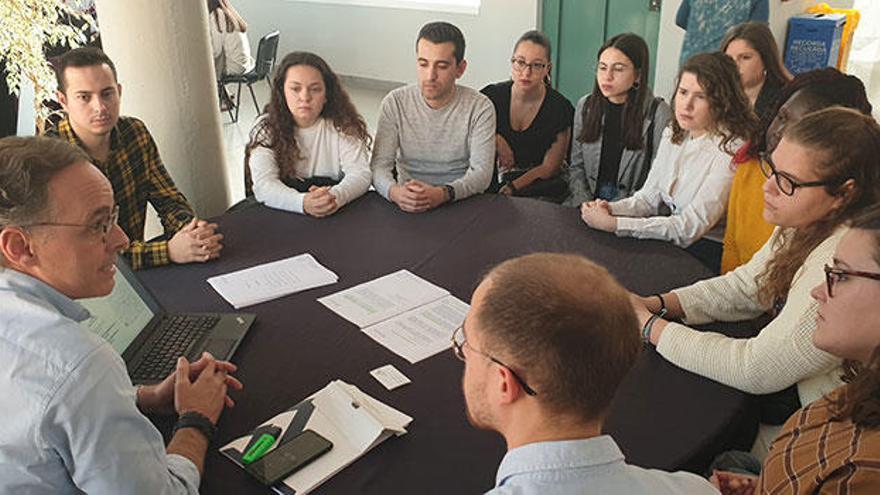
x: 267, y: 51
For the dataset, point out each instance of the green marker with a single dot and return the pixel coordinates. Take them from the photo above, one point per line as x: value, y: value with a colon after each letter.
x: 262, y: 445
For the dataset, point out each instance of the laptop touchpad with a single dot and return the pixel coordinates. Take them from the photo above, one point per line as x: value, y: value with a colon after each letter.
x: 220, y: 348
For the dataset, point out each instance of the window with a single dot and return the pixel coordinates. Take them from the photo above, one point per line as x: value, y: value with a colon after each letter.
x: 454, y: 6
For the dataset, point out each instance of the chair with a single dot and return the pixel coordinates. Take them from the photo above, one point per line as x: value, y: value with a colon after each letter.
x: 267, y: 51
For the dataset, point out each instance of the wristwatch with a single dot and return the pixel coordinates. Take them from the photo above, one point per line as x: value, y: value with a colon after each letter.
x: 198, y: 421
x: 450, y: 193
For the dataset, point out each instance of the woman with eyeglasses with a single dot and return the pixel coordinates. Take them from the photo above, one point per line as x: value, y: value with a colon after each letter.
x: 617, y: 127
x: 822, y: 174
x: 533, y: 124
x: 746, y: 230
x: 685, y: 194
x: 833, y: 445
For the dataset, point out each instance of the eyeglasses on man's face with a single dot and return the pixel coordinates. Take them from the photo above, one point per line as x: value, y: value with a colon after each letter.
x: 100, y: 227
x: 520, y: 65
x: 834, y: 276
x: 786, y: 184
x: 459, y: 341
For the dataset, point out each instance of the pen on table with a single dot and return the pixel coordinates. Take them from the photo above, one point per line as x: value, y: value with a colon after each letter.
x: 267, y: 437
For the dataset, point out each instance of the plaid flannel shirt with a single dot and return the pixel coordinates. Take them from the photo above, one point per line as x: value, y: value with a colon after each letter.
x: 137, y: 174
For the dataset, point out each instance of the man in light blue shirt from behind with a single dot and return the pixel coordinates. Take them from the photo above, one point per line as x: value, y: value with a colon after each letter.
x: 543, y: 375
x: 71, y: 420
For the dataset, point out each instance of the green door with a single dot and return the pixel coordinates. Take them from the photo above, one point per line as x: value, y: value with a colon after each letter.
x: 579, y: 27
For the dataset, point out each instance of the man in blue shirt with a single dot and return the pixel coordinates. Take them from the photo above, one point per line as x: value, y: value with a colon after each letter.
x: 543, y: 376
x: 72, y: 421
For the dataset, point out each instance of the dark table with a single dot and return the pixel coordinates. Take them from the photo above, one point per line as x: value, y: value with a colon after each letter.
x: 663, y: 416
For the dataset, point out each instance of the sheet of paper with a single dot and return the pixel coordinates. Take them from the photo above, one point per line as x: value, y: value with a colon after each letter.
x: 272, y: 280
x: 421, y: 332
x: 380, y: 299
x: 390, y: 377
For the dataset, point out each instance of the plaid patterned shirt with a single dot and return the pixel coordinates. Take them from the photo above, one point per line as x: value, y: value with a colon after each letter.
x: 135, y: 170
x: 815, y: 455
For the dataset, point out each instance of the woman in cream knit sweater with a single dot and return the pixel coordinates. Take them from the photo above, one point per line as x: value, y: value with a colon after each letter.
x: 822, y: 174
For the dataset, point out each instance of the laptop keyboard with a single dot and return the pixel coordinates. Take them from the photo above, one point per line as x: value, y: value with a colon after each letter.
x: 176, y: 335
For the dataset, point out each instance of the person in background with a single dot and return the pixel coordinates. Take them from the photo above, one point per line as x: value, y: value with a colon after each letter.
x: 229, y: 43
x: 309, y: 153
x: 532, y: 123
x: 618, y: 127
x: 543, y: 376
x: 435, y: 140
x: 752, y: 46
x: 706, y: 21
x: 123, y: 149
x: 685, y: 195
x: 821, y: 175
x: 746, y: 230
x: 833, y: 445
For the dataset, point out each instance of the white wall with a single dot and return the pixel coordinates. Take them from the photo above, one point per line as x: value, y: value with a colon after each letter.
x: 671, y: 36
x: 379, y: 43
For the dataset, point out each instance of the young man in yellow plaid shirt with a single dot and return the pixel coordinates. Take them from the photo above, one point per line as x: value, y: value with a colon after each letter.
x: 123, y: 149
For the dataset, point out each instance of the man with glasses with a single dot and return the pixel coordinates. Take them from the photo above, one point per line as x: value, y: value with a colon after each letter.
x: 123, y: 149
x: 543, y: 376
x: 435, y: 140
x: 72, y: 421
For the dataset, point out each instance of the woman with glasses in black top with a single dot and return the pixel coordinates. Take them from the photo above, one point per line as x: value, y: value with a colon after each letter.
x: 533, y: 124
x: 617, y: 127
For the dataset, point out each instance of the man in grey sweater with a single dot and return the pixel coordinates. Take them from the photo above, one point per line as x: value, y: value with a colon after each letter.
x: 438, y: 135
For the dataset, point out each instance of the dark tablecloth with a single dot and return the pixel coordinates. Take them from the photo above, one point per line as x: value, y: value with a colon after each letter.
x: 663, y: 416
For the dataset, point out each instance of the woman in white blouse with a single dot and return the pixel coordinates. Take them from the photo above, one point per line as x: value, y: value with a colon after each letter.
x: 309, y: 153
x: 685, y: 194
x: 821, y: 175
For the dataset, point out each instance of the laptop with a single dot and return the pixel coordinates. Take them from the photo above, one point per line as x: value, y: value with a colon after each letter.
x: 149, y: 339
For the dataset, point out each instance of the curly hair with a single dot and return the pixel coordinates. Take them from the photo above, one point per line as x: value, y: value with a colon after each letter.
x: 636, y: 50
x: 860, y: 400
x: 845, y: 146
x: 732, y: 116
x: 825, y: 87
x: 760, y: 38
x: 276, y: 127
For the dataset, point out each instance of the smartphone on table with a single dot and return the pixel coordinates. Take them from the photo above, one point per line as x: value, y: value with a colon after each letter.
x: 289, y: 457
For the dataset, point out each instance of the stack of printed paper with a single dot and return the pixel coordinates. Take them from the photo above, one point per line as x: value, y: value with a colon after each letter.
x: 407, y: 314
x: 272, y: 280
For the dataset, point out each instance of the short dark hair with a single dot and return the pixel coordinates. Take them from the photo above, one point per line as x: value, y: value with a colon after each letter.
x: 27, y: 164
x: 443, y: 32
x: 85, y: 56
x: 575, y: 345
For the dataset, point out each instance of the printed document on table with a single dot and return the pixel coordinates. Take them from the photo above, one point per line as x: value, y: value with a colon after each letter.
x: 272, y: 280
x: 422, y: 332
x: 383, y: 298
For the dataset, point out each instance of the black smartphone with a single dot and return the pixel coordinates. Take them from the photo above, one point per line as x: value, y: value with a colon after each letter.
x: 289, y: 457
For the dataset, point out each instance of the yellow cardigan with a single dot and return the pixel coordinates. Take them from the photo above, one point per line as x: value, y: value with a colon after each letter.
x: 746, y: 230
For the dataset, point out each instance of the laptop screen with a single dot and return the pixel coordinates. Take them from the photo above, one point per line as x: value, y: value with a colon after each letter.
x: 118, y: 317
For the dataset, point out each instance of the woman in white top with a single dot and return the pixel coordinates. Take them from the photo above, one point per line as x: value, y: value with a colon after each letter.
x: 685, y: 194
x: 309, y: 152
x: 821, y: 175
x: 229, y: 44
